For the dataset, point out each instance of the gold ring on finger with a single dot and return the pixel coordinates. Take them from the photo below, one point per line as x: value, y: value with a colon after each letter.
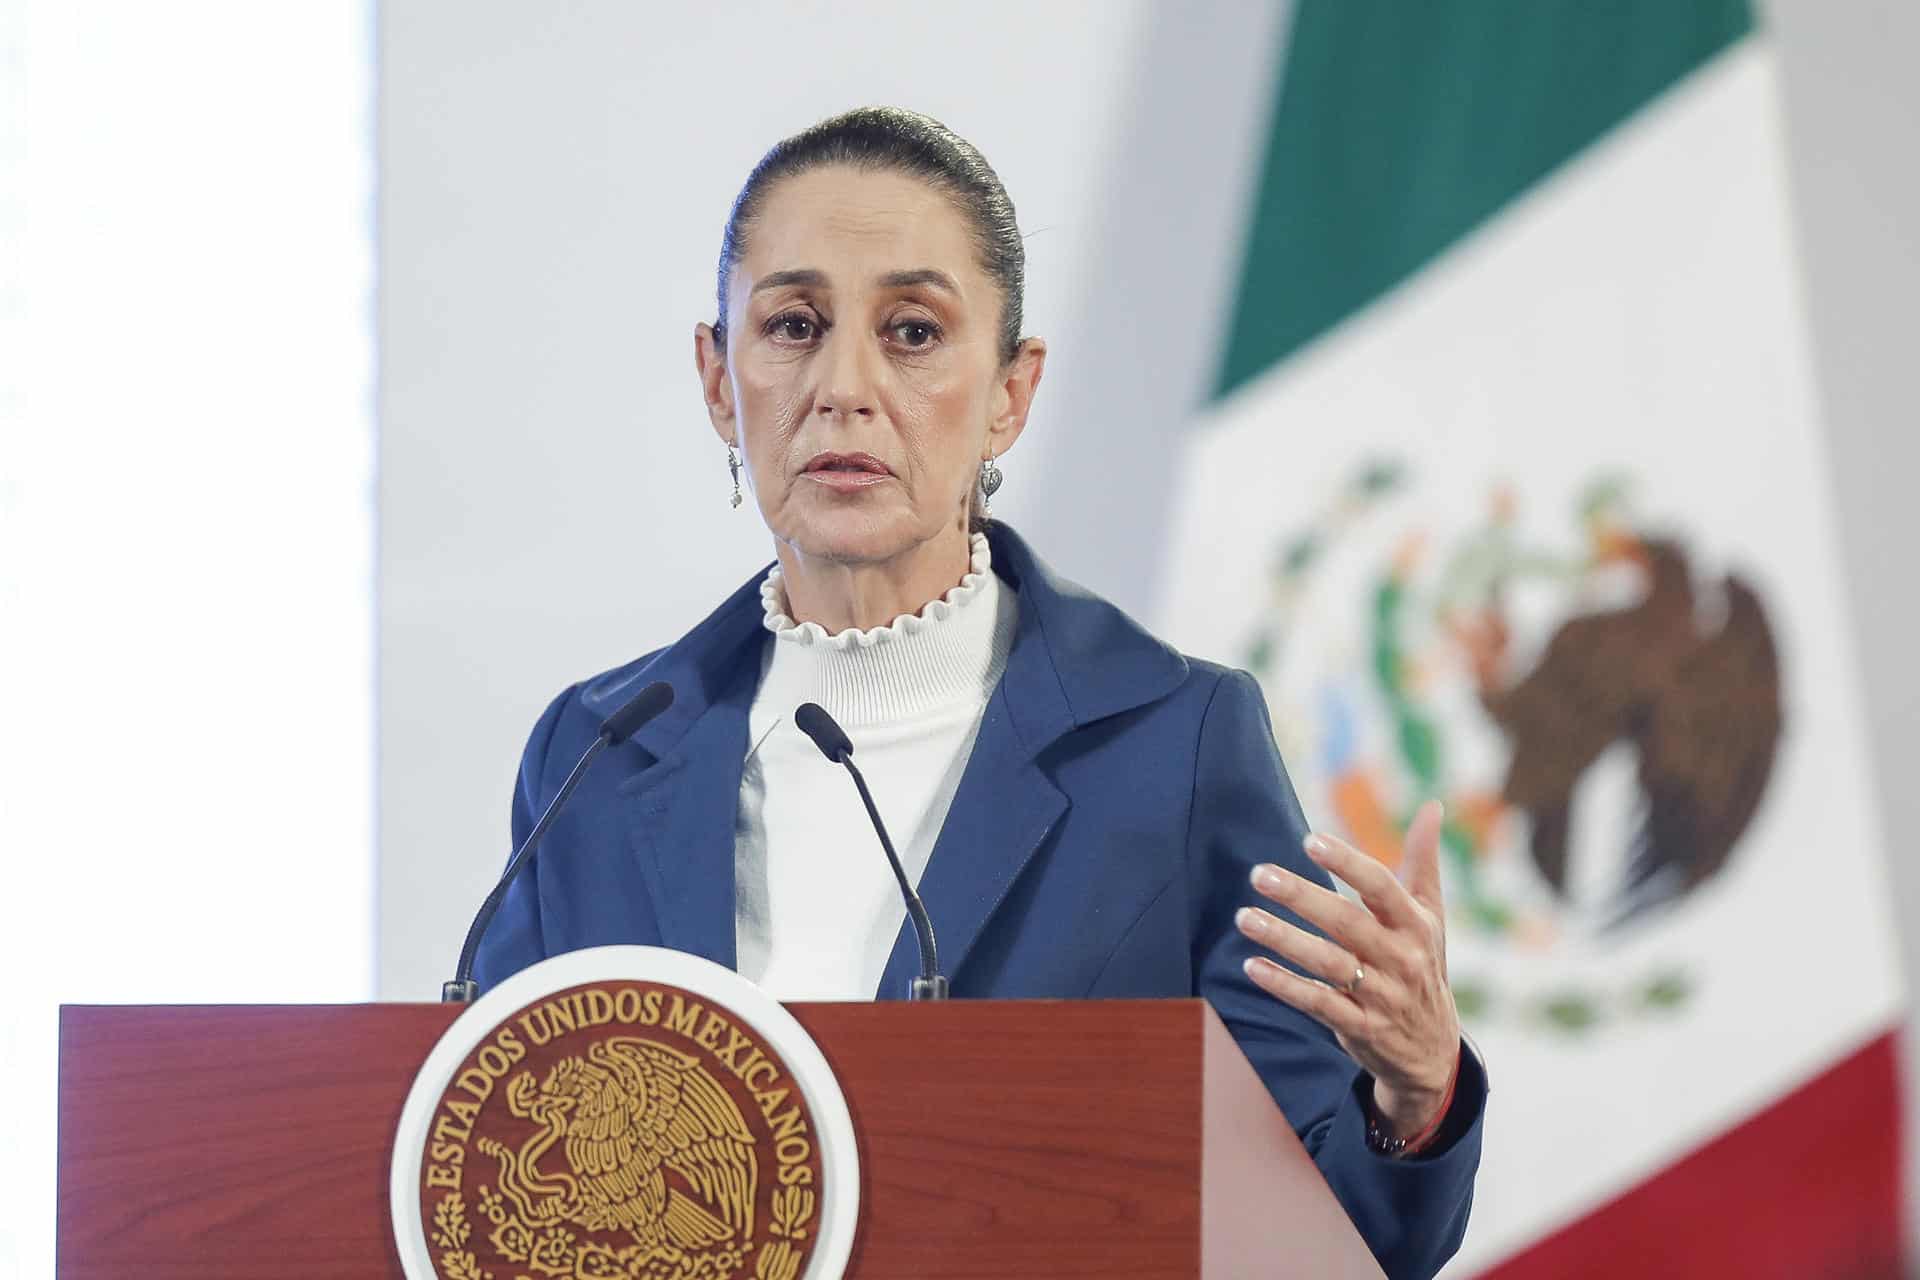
x: 1359, y: 976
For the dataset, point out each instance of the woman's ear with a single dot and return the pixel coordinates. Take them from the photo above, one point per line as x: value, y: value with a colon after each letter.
x: 716, y: 388
x: 1013, y: 397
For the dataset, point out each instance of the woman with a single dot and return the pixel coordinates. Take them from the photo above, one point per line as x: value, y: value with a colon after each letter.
x: 1086, y: 811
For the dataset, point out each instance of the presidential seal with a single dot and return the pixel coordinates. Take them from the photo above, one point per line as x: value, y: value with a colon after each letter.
x: 625, y: 1113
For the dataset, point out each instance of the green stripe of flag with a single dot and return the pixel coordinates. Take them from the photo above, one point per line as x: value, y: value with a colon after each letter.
x: 1401, y: 127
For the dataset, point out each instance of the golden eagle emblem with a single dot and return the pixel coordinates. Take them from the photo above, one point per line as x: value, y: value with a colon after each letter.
x: 653, y: 1146
x: 1701, y: 704
x: 625, y: 1130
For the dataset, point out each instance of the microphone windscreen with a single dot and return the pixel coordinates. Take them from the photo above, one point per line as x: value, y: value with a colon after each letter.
x: 642, y: 707
x: 813, y: 720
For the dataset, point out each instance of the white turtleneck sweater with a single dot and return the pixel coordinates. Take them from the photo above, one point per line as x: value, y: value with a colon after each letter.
x: 816, y: 907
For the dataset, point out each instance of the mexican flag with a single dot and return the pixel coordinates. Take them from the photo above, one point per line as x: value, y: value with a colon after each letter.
x: 1512, y: 491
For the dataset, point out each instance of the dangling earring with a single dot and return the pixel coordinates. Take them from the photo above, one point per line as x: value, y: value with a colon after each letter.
x: 733, y: 469
x: 990, y: 479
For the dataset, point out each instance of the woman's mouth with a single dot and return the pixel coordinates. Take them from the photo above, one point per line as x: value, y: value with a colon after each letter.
x: 846, y: 471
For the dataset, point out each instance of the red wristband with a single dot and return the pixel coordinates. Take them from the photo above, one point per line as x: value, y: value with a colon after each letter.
x: 1400, y: 1148
x: 1425, y: 1137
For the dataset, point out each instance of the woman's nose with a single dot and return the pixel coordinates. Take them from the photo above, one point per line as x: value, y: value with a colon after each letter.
x: 846, y: 377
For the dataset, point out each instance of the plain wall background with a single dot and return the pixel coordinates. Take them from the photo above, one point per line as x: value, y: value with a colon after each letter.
x: 552, y: 187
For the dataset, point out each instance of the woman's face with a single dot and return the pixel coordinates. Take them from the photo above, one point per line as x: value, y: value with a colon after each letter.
x: 862, y: 374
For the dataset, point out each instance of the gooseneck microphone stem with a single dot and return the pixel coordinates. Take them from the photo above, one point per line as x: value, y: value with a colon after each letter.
x: 463, y: 989
x: 812, y: 719
x: 929, y: 985
x: 619, y: 726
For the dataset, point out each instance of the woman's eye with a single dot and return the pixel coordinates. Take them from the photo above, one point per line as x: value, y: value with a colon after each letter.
x: 794, y: 327
x: 915, y: 333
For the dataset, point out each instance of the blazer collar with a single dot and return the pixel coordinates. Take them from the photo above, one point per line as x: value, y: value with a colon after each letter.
x: 1076, y: 659
x: 705, y: 668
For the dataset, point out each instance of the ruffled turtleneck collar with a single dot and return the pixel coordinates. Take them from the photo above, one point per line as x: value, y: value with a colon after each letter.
x: 949, y: 654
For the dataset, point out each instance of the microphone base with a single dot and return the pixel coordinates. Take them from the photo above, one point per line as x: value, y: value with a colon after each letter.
x: 934, y: 988
x: 459, y: 992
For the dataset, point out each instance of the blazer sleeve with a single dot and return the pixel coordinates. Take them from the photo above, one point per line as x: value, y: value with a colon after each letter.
x: 1411, y: 1212
x: 514, y: 940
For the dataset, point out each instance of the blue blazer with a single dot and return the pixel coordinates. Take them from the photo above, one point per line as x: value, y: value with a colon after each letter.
x: 1117, y: 797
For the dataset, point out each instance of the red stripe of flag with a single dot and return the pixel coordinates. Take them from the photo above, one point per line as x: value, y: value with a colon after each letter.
x: 1808, y: 1189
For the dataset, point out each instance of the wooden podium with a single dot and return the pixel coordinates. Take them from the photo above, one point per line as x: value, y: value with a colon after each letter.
x: 1125, y: 1138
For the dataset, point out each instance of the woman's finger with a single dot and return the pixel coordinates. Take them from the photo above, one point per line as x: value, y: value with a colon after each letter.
x: 1315, y: 999
x: 1331, y: 963
x: 1420, y: 870
x: 1347, y: 922
x: 1378, y: 887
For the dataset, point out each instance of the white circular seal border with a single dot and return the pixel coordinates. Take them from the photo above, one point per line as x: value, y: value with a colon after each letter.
x: 833, y: 1124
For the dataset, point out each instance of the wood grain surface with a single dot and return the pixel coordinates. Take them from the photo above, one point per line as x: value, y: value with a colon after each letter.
x: 1017, y: 1138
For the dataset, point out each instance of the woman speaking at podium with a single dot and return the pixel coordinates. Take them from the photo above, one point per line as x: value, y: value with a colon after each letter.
x: 1084, y: 811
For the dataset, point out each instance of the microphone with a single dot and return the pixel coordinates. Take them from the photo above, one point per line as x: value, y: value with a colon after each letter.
x: 834, y: 744
x: 616, y: 728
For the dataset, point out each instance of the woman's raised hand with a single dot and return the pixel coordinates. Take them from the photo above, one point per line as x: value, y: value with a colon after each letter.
x: 1379, y: 977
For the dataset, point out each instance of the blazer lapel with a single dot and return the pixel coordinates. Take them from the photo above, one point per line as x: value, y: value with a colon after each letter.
x: 1002, y: 812
x: 682, y: 812
x: 1076, y: 659
x: 680, y: 808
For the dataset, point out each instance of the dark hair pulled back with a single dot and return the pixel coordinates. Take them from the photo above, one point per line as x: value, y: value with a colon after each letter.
x: 891, y: 139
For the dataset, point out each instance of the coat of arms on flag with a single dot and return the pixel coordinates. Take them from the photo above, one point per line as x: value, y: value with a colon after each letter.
x: 1600, y: 712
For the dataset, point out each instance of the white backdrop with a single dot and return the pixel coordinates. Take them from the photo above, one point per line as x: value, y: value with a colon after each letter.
x: 186, y: 526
